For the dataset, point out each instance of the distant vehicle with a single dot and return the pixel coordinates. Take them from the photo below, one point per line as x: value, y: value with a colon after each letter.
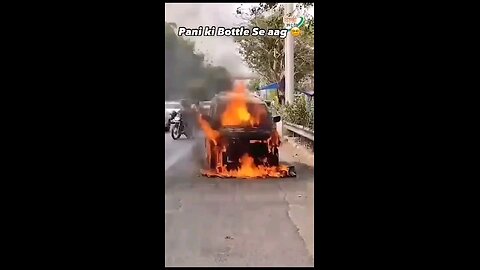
x: 170, y: 106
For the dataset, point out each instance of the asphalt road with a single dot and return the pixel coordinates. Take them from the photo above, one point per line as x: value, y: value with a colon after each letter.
x: 229, y: 222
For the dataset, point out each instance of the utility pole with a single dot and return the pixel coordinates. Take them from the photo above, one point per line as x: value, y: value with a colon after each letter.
x: 289, y: 63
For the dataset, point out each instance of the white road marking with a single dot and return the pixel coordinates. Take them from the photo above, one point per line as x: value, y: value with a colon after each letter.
x: 177, y: 154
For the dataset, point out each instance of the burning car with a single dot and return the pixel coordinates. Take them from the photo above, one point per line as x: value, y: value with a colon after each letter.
x: 241, y: 137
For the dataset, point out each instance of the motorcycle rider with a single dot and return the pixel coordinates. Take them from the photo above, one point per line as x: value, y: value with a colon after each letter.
x: 188, y: 116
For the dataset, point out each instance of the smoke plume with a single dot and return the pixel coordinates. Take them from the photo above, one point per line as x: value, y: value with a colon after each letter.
x: 221, y: 51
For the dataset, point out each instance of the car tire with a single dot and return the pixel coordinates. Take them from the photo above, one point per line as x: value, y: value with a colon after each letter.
x: 175, y: 132
x: 274, y: 159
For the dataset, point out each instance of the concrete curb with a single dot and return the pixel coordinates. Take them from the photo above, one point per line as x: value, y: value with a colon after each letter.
x: 304, y: 151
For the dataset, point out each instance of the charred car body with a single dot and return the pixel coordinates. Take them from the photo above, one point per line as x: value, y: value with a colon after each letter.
x: 243, y: 126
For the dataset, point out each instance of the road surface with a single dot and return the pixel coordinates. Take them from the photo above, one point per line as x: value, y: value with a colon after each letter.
x: 231, y: 222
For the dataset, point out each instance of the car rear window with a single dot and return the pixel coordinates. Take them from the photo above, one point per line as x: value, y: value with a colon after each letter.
x: 253, y: 108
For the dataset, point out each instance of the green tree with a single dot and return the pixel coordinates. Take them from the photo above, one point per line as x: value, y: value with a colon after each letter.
x: 299, y: 113
x: 254, y: 84
x: 265, y: 55
x: 187, y: 75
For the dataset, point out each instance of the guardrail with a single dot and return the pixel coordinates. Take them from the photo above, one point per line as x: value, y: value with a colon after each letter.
x: 300, y: 130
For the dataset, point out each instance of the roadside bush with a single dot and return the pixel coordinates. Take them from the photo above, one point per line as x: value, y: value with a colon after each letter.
x: 300, y: 113
x: 311, y: 119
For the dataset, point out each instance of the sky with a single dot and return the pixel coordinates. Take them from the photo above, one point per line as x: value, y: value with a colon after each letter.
x: 220, y: 50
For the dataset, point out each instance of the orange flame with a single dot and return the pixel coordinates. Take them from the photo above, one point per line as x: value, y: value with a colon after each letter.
x: 237, y: 114
x: 248, y: 169
x: 273, y: 141
x: 210, y: 133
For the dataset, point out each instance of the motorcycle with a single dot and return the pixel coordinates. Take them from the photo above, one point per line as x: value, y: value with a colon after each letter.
x: 178, y: 128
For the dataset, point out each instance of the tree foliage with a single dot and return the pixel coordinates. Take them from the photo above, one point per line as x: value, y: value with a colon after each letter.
x: 254, y: 84
x: 300, y: 112
x: 265, y: 55
x: 186, y: 74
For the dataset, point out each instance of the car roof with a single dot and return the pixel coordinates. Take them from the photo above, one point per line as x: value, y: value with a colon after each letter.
x: 227, y: 96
